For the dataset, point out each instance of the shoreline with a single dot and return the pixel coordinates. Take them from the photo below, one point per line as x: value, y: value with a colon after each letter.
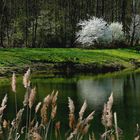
x: 66, y: 68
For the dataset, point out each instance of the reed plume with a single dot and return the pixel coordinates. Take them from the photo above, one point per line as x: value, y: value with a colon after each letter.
x: 17, y: 121
x: 3, y: 104
x: 37, y: 107
x: 47, y: 100
x: 82, y: 111
x: 32, y: 97
x: 26, y: 97
x: 5, y: 124
x: 44, y: 115
x: 71, y: 113
x: 2, y: 109
x: 54, y: 104
x: 26, y: 78
x: 37, y: 130
x: 13, y: 83
x: 82, y: 125
x: 4, y: 101
x: 71, y: 105
x: 54, y: 99
x: 107, y: 116
x: 53, y: 112
x: 89, y: 117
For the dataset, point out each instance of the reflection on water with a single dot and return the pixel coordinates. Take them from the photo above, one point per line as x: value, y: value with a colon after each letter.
x: 96, y: 91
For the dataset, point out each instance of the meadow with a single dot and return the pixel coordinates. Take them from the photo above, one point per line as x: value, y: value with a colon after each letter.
x: 53, y: 59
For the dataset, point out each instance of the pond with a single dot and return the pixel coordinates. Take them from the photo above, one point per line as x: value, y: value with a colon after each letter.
x: 95, y: 89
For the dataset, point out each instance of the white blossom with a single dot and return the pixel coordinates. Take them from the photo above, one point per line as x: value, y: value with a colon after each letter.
x: 94, y: 30
x: 117, y: 31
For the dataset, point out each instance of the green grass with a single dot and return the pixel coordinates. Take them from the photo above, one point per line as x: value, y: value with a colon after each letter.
x: 22, y: 57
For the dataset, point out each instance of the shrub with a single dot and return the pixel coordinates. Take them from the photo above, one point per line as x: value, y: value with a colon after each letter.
x: 94, y: 31
x: 117, y: 32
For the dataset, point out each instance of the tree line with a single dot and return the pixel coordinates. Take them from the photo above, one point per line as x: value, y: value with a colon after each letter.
x: 53, y: 23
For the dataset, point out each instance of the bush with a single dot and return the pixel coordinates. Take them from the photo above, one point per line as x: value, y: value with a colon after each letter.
x: 94, y: 31
x: 117, y: 32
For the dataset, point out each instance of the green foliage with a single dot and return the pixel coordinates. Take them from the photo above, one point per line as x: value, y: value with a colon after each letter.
x: 23, y: 57
x: 40, y: 23
x: 16, y: 34
x: 47, y: 28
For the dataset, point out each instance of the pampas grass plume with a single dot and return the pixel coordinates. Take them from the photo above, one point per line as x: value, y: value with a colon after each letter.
x: 13, y: 84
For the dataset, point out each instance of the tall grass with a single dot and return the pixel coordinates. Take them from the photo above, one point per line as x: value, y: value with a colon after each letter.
x: 41, y: 122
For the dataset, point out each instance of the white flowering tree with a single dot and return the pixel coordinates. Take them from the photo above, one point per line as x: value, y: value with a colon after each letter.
x: 94, y: 31
x: 135, y: 29
x: 117, y: 32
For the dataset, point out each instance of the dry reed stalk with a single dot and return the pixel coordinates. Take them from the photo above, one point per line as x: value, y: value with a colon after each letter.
x: 26, y: 78
x: 57, y: 129
x: 116, y: 126
x: 85, y: 129
x: 13, y: 83
x: 137, y: 135
x: 15, y: 124
x: 26, y: 103
x: 92, y: 137
x: 57, y: 125
x: 32, y: 97
x: 72, y: 121
x: 82, y: 111
x: 74, y: 133
x: 71, y: 113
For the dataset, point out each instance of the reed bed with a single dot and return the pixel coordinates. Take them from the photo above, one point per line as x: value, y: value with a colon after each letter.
x: 41, y: 122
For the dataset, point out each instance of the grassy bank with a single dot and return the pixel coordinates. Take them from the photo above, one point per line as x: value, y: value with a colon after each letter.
x: 66, y: 59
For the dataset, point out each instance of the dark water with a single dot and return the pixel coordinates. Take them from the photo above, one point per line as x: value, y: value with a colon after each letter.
x: 95, y: 89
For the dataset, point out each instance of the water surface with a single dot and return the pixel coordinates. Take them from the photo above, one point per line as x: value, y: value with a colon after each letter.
x: 95, y: 89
